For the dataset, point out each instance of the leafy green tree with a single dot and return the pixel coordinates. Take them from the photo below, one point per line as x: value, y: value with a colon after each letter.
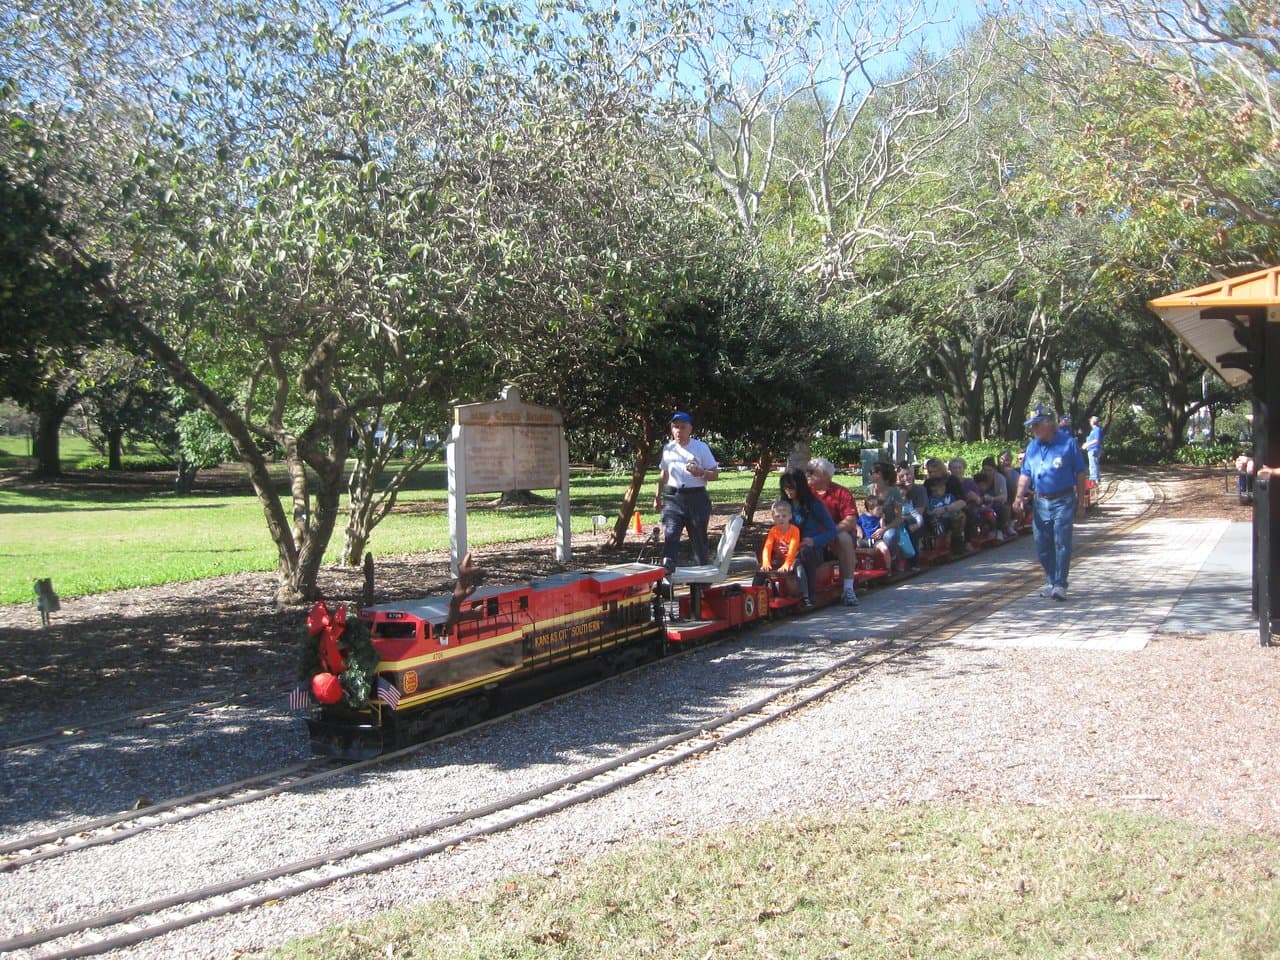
x: 202, y: 444
x: 337, y: 210
x: 814, y: 122
x: 1165, y: 148
x: 1204, y: 71
x: 126, y: 397
x: 784, y: 364
x: 49, y: 318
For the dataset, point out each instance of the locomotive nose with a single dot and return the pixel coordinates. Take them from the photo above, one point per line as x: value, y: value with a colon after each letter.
x: 344, y: 741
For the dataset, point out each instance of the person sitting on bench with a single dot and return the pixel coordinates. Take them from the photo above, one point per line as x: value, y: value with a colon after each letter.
x: 781, y: 547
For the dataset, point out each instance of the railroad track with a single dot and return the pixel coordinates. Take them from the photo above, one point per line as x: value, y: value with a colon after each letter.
x: 135, y: 923
x: 119, y: 826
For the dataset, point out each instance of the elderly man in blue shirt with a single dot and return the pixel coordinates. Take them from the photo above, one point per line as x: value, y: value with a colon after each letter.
x: 1055, y: 468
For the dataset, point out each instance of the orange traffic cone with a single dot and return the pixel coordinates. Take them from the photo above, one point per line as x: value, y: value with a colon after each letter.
x: 635, y: 523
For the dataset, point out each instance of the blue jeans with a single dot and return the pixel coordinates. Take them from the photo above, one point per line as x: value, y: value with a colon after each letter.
x: 1093, y: 465
x: 1051, y: 523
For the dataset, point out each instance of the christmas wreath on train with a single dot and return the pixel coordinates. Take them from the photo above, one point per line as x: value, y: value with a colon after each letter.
x: 338, y: 660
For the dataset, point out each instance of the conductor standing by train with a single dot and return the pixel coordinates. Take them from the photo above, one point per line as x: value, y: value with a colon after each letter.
x: 687, y: 464
x: 1055, y: 467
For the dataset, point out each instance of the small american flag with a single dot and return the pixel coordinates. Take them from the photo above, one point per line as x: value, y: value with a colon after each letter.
x: 300, y: 698
x: 387, y: 693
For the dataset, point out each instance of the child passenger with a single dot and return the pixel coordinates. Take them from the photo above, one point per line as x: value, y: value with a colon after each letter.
x: 781, y: 546
x: 944, y: 508
x: 871, y: 522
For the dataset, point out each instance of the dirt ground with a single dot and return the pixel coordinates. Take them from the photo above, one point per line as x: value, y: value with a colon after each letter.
x: 158, y: 644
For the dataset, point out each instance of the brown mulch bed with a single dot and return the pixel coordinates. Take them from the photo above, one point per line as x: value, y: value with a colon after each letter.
x: 148, y: 645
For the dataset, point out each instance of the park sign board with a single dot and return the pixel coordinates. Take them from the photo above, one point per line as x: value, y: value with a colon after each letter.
x: 502, y: 446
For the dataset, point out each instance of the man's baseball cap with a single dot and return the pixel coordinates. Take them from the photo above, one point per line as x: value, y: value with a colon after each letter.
x: 681, y: 417
x: 1040, y: 415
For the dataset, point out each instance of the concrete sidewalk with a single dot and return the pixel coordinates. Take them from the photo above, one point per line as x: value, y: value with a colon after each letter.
x: 1166, y: 575
x: 1158, y: 577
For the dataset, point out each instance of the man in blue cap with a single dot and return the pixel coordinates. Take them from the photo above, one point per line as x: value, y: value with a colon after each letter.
x: 686, y: 467
x: 1054, y: 466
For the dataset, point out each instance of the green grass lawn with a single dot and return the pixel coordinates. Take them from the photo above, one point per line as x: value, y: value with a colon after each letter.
x: 90, y: 539
x: 941, y: 882
x: 15, y: 452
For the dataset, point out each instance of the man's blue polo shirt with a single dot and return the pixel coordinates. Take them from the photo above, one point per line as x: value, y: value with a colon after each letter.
x: 1053, y: 466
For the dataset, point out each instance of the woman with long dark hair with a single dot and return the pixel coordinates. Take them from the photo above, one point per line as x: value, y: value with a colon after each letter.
x: 884, y: 481
x: 816, y: 526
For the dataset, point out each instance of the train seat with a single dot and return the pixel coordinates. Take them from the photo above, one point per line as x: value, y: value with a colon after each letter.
x: 707, y: 574
x: 717, y: 570
x: 870, y: 566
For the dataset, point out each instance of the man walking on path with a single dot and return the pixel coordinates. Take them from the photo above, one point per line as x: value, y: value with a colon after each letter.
x: 1093, y: 447
x: 1054, y: 467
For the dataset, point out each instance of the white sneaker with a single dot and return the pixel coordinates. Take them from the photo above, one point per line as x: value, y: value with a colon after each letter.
x: 1058, y: 593
x: 999, y: 536
x: 1046, y: 590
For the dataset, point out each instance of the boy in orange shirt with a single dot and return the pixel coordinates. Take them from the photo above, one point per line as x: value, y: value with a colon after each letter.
x: 781, y: 545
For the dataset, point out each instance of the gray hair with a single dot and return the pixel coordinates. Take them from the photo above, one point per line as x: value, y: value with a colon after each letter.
x: 822, y: 464
x: 781, y: 504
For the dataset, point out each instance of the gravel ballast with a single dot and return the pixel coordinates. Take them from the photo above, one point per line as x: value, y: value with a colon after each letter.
x: 1185, y: 727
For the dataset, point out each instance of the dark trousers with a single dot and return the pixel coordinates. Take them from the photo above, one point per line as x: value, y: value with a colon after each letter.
x: 808, y: 560
x: 686, y: 509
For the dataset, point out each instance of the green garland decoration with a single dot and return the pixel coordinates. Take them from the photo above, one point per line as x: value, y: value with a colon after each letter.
x: 356, y: 646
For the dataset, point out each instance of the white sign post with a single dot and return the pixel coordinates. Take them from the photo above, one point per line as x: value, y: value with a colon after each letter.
x: 506, y: 445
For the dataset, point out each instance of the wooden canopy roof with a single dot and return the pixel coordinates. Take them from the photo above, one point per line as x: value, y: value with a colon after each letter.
x: 1208, y: 318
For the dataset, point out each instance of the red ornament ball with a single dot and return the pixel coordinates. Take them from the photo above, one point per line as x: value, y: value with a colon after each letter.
x: 326, y: 687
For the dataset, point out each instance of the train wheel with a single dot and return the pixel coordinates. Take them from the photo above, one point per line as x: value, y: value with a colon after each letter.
x: 477, y: 708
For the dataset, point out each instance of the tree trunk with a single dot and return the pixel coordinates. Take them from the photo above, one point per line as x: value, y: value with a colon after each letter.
x: 764, y: 463
x: 46, y: 447
x: 300, y: 583
x: 521, y: 498
x: 186, y: 479
x: 354, y: 539
x: 366, y: 507
x: 242, y: 436
x: 115, y: 449
x: 632, y: 496
x: 359, y: 504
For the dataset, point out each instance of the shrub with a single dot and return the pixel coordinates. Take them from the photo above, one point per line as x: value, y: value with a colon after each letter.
x: 1206, y: 454
x: 204, y: 444
x: 1135, y: 450
x: 130, y: 461
x: 972, y: 452
x: 838, y: 450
